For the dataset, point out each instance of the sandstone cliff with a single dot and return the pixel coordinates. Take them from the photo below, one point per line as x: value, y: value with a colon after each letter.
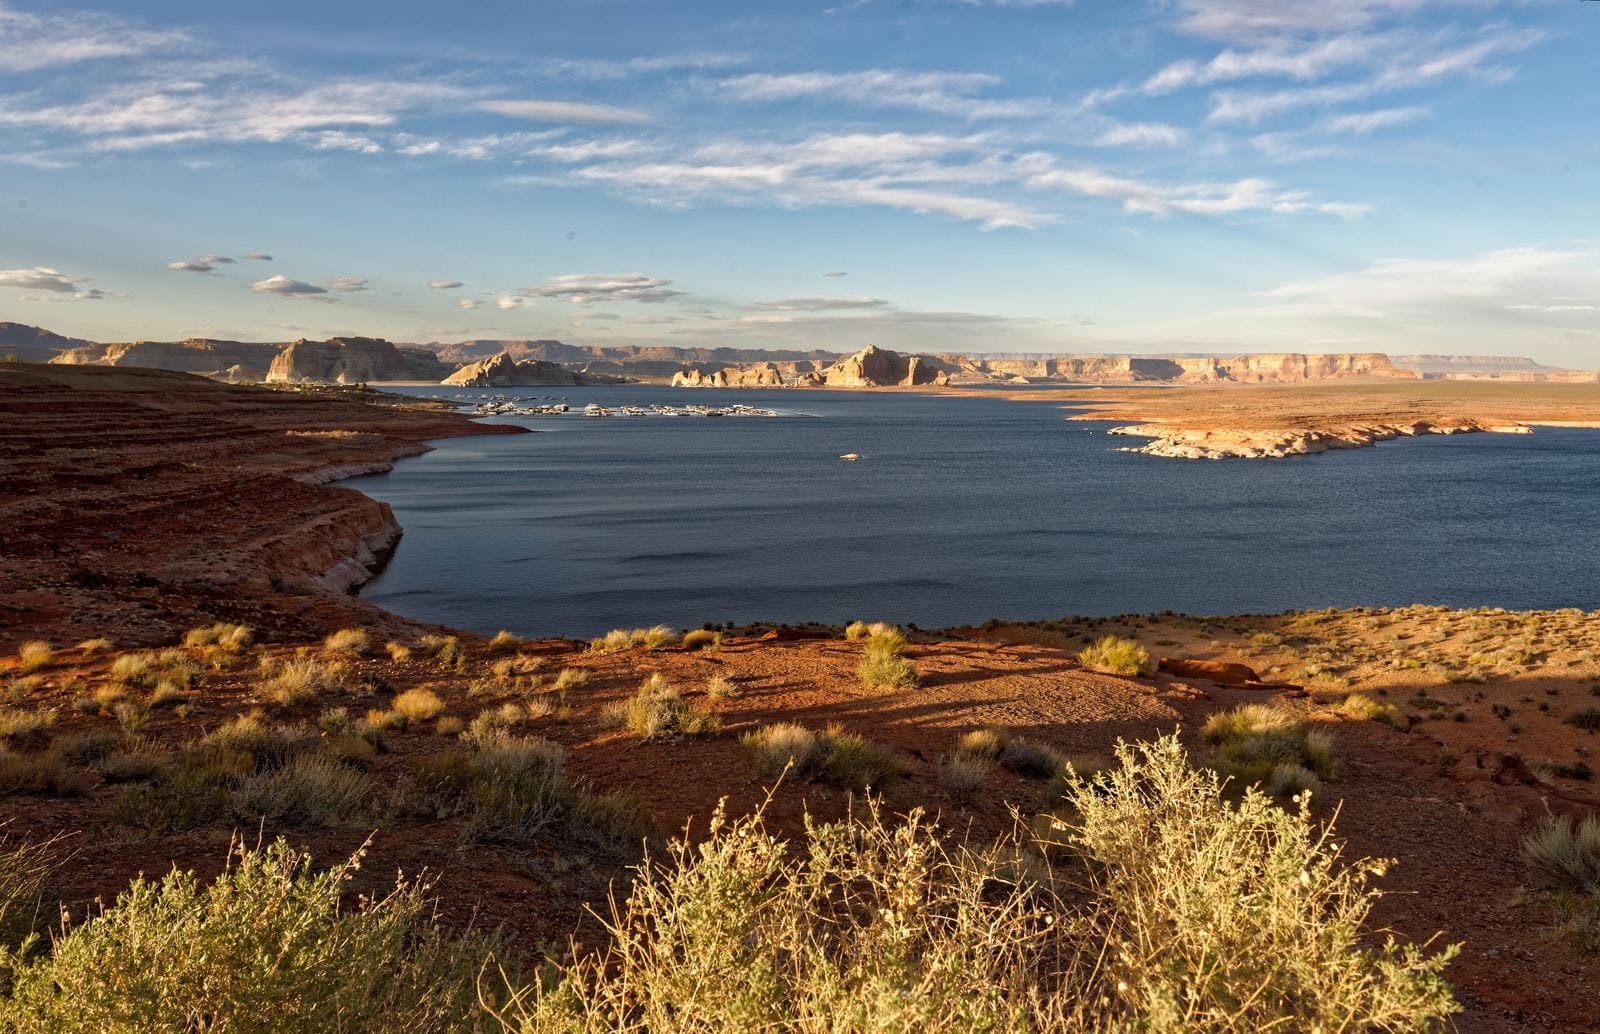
x: 353, y: 360
x: 227, y: 360
x: 33, y: 344
x: 502, y: 371
x: 759, y: 375
x: 878, y: 367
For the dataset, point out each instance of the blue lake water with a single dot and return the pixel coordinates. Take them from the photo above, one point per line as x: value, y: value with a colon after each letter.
x: 960, y: 509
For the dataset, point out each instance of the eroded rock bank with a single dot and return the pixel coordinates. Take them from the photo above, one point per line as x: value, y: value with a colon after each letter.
x: 136, y: 500
x: 1277, y: 443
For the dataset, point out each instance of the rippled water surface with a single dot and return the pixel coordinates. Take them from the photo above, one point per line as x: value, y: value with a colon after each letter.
x: 960, y: 509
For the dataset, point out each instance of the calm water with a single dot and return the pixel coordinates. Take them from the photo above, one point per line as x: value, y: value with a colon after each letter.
x: 960, y: 509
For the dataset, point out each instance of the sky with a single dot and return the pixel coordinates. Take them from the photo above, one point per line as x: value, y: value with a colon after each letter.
x: 1408, y: 176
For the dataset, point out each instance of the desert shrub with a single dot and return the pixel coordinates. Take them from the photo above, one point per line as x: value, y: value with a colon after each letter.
x: 720, y: 687
x: 983, y: 743
x: 313, y: 789
x: 658, y: 709
x: 962, y: 775
x: 852, y: 762
x: 418, y: 704
x: 1565, y: 855
x: 656, y: 637
x: 1113, y: 656
x: 347, y: 640
x: 294, y: 682
x: 398, y: 652
x: 772, y: 748
x: 883, y: 664
x: 383, y: 720
x: 15, y: 691
x: 504, y: 642
x: 446, y: 649
x: 448, y: 725
x: 1365, y: 708
x: 702, y: 639
x: 249, y: 743
x: 166, y: 694
x: 44, y: 773
x: 90, y: 647
x: 1588, y: 719
x: 614, y: 641
x: 132, y: 716
x: 268, y: 946
x: 1197, y: 915
x: 541, y: 705
x: 25, y: 872
x: 1262, y: 746
x: 863, y: 630
x: 1026, y: 757
x: 33, y: 655
x: 133, y: 668
x: 1266, y: 639
x: 85, y: 748
x: 230, y: 638
x: 491, y: 726
x: 570, y: 678
x: 21, y: 727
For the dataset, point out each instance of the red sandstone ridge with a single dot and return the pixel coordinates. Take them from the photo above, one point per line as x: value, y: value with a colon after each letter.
x: 124, y: 485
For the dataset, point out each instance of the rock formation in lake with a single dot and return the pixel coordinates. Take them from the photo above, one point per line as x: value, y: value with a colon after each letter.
x: 353, y: 360
x: 875, y: 367
x: 759, y: 375
x: 502, y: 371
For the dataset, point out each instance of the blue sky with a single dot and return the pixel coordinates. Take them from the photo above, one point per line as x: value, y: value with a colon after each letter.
x: 1022, y: 176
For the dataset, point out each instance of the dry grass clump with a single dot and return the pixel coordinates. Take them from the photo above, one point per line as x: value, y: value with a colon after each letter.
x: 570, y: 678
x: 1565, y: 855
x: 347, y: 640
x: 883, y: 664
x: 223, y: 635
x: 25, y: 872
x: 21, y: 727
x: 90, y: 647
x: 720, y: 687
x: 312, y: 789
x: 1365, y: 708
x: 1193, y: 914
x: 34, y: 655
x: 446, y: 649
x: 863, y: 630
x: 618, y: 639
x: 1113, y: 656
x: 983, y: 743
x: 702, y: 639
x: 962, y: 775
x: 1261, y: 746
x: 658, y: 709
x: 15, y: 691
x: 504, y: 642
x: 43, y: 773
x: 399, y: 653
x: 418, y: 704
x: 492, y: 725
x: 270, y: 945
x: 1587, y: 719
x: 1029, y: 758
x: 837, y: 757
x: 288, y: 683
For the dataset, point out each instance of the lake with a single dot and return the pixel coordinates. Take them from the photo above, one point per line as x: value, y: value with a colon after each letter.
x: 960, y: 509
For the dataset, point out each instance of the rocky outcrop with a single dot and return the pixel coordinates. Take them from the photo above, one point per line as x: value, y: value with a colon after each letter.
x: 875, y: 367
x: 1277, y: 443
x: 502, y: 371
x: 33, y: 344
x: 226, y: 360
x: 761, y: 375
x: 354, y: 360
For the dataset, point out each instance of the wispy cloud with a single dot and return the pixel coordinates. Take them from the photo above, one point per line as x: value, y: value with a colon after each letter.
x: 945, y: 93
x: 468, y: 303
x: 596, y: 70
x: 816, y: 304
x: 30, y: 42
x: 584, y: 288
x: 574, y: 112
x: 1361, y: 123
x: 203, y: 264
x: 347, y: 283
x: 444, y: 285
x: 257, y: 256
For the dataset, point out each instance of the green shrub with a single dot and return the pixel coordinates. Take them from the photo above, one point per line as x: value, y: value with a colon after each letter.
x: 1113, y: 656
x: 1025, y: 757
x: 25, y: 872
x: 1565, y: 855
x: 1265, y: 747
x: 311, y: 790
x: 1200, y: 915
x: 853, y: 762
x: 268, y: 946
x: 962, y: 775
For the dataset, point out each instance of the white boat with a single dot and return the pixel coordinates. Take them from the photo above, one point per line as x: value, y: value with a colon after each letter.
x: 595, y: 409
x: 850, y: 457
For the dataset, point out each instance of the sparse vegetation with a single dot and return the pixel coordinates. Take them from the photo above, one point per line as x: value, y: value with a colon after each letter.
x: 347, y: 640
x: 658, y: 709
x: 702, y: 639
x: 883, y: 664
x: 962, y: 775
x: 1261, y: 746
x: 418, y: 704
x: 292, y: 682
x: 504, y: 642
x: 570, y: 678
x: 1202, y: 915
x: 22, y: 727
x: 1565, y: 855
x: 34, y: 655
x: 1587, y: 719
x: 91, y: 647
x: 838, y: 757
x: 223, y: 635
x: 1111, y: 655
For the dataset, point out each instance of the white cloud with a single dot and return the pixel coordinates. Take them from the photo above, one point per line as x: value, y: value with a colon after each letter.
x: 944, y: 93
x: 444, y: 285
x: 282, y: 285
x: 29, y: 42
x: 583, y: 288
x: 1360, y: 123
x: 203, y: 264
x: 506, y: 301
x: 1207, y: 199
x: 1140, y: 134
x: 42, y: 278
x: 468, y: 303
x: 346, y: 283
x: 562, y: 111
x: 816, y: 304
x: 703, y: 61
x: 1255, y: 20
